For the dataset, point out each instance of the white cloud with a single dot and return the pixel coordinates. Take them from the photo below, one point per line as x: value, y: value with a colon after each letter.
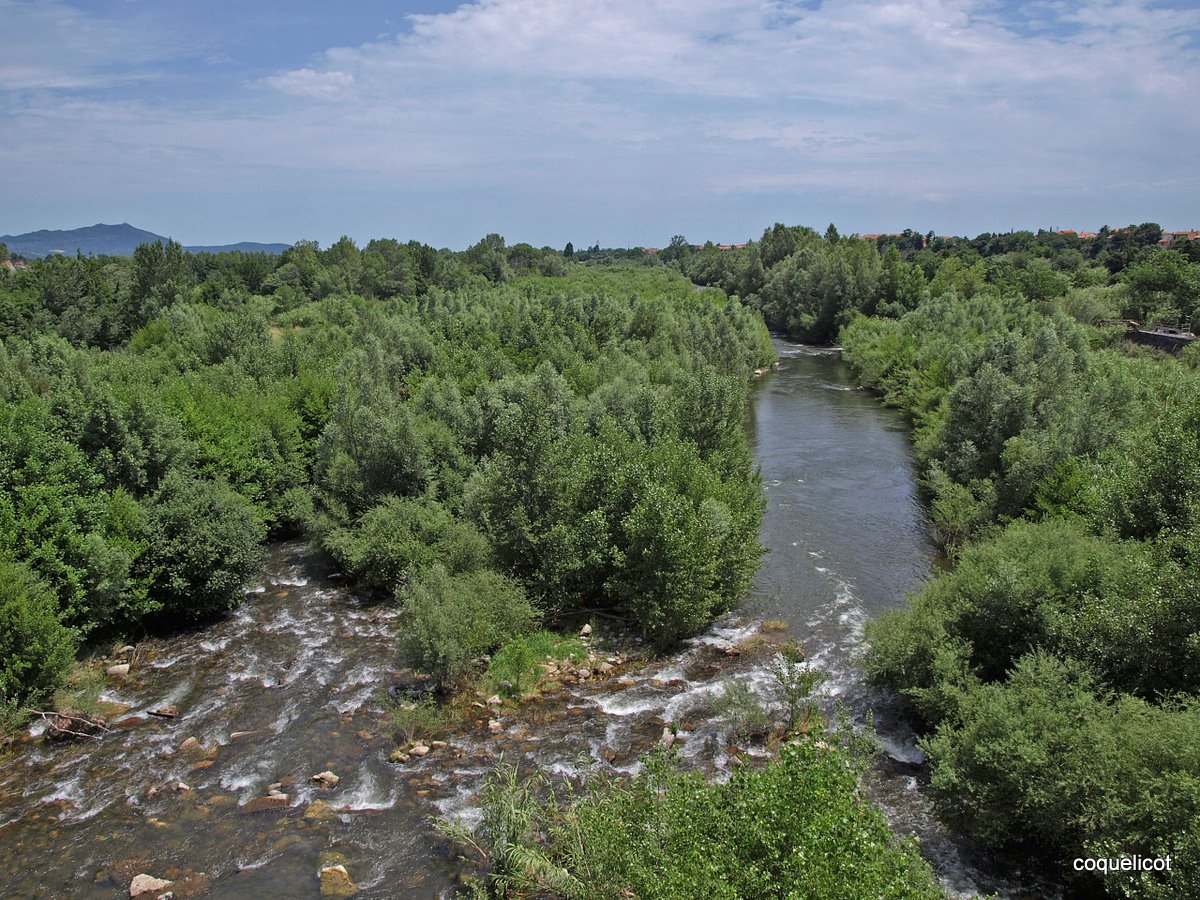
x: 50, y: 45
x: 311, y: 83
x: 916, y: 104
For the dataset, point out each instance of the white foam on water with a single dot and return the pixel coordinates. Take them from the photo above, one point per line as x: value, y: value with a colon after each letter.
x: 626, y: 703
x: 689, y: 700
x: 903, y: 751
x: 70, y: 790
x: 724, y: 635
x: 288, y: 715
x: 368, y: 795
x: 460, y: 807
x: 358, y: 699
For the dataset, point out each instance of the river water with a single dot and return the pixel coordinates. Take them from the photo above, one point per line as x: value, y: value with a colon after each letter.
x: 306, y: 668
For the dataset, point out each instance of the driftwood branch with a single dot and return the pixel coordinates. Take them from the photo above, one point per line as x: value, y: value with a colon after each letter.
x: 53, y: 718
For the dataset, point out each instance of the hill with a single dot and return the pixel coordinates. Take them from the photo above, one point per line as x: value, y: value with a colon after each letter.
x: 113, y: 240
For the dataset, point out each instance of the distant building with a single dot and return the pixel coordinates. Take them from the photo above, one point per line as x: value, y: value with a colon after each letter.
x: 1170, y: 237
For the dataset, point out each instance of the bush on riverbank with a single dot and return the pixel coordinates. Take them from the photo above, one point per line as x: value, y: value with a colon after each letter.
x: 1057, y: 664
x: 450, y: 621
x: 36, y: 650
x: 797, y: 826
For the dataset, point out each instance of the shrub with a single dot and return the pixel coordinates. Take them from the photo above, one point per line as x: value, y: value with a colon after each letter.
x: 420, y: 719
x: 36, y: 649
x: 204, y: 545
x: 396, y: 539
x: 452, y: 620
x: 515, y: 669
x: 1045, y: 762
x: 797, y: 827
x: 745, y: 711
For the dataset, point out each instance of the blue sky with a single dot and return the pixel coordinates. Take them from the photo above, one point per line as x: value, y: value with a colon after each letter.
x: 618, y: 121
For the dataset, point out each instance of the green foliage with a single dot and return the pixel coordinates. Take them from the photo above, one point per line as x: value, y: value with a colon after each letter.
x: 797, y: 827
x: 204, y: 546
x: 1061, y: 471
x: 505, y: 843
x: 420, y: 719
x: 1049, y: 761
x: 748, y: 716
x: 516, y: 668
x: 450, y: 621
x: 795, y: 681
x: 409, y: 405
x: 36, y: 650
x: 394, y: 541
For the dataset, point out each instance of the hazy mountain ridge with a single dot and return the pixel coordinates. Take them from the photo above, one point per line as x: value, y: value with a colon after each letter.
x: 113, y: 240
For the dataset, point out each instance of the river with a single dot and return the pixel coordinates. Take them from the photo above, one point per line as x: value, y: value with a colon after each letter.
x: 305, y: 668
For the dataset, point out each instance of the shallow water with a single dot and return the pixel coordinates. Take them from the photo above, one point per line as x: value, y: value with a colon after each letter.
x: 306, y: 667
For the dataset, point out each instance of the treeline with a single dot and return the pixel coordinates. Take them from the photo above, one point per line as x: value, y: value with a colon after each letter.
x: 499, y: 452
x: 809, y: 286
x: 100, y: 301
x: 1055, y: 671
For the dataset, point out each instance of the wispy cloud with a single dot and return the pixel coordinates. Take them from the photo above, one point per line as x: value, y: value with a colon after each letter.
x: 884, y: 112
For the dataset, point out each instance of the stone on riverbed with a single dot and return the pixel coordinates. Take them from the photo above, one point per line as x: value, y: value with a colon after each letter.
x: 318, y: 809
x: 144, y: 885
x: 326, y: 779
x: 495, y: 727
x: 419, y: 750
x: 585, y: 630
x: 494, y: 700
x: 166, y: 712
x: 271, y: 801
x: 336, y: 882
x: 120, y: 670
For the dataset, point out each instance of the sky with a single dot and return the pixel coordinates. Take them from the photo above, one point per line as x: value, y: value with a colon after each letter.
x: 619, y: 122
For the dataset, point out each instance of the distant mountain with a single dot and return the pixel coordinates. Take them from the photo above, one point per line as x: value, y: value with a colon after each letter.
x: 111, y: 240
x: 244, y: 247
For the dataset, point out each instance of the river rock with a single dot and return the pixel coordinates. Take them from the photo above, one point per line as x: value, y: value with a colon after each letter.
x: 419, y: 751
x: 271, y: 801
x: 336, y: 882
x: 585, y: 630
x: 326, y: 779
x: 143, y: 885
x: 438, y: 745
x: 494, y: 700
x: 604, y: 668
x: 668, y: 736
x: 241, y: 735
x: 399, y: 756
x: 166, y: 712
x: 494, y: 726
x: 126, y: 650
x: 191, y: 745
x: 318, y: 809
x: 120, y: 670
x: 180, y: 786
x: 584, y: 674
